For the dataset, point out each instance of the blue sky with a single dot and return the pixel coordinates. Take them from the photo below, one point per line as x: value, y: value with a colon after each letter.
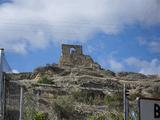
x: 121, y: 36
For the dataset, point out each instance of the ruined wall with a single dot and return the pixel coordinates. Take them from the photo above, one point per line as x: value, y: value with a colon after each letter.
x: 72, y: 55
x: 69, y: 49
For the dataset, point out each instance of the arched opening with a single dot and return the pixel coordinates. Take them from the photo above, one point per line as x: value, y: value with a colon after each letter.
x: 72, y: 50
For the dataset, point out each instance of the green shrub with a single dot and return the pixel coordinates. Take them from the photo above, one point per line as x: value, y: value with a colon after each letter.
x: 39, y: 116
x: 63, y: 106
x: 98, y: 117
x: 44, y: 80
x: 113, y: 98
x: 30, y: 109
x: 87, y: 98
x: 83, y: 97
x: 108, y: 99
x: 33, y: 114
x: 135, y: 95
x: 116, y: 117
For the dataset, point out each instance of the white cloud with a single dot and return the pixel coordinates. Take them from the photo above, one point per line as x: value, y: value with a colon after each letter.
x: 93, y: 48
x: 26, y: 24
x: 145, y: 67
x: 15, y: 71
x: 111, y: 63
x: 115, y: 65
x: 152, y: 43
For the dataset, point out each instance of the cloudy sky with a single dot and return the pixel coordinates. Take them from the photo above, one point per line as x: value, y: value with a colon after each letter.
x: 121, y: 35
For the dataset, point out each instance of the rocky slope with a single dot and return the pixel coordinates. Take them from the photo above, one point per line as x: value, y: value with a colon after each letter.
x: 82, y: 91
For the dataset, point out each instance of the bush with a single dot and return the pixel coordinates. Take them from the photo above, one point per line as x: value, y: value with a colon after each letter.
x: 98, y: 117
x: 63, y: 106
x: 39, y: 116
x: 44, y: 80
x: 82, y: 97
x: 33, y: 114
x: 108, y: 99
x: 135, y: 95
x: 116, y: 117
x: 87, y: 98
x: 30, y: 110
x: 113, y: 98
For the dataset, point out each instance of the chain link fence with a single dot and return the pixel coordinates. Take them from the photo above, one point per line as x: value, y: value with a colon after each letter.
x: 12, y: 101
x: 23, y: 104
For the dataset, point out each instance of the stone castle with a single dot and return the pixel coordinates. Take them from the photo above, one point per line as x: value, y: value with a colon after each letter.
x: 72, y: 55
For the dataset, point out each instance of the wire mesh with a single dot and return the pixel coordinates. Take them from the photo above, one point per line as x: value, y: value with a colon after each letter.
x: 12, y: 101
x: 36, y: 103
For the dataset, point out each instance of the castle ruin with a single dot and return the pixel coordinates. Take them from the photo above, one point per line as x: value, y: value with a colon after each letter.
x: 72, y: 55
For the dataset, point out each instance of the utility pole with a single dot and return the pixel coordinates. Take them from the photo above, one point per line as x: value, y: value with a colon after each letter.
x: 125, y: 103
x: 1, y: 85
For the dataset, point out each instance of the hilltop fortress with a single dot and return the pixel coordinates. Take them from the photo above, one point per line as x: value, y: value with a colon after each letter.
x: 72, y: 55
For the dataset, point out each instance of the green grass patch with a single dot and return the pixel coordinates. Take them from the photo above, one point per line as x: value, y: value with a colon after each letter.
x: 113, y: 98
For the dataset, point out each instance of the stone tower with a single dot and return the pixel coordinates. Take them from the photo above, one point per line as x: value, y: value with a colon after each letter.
x: 72, y: 55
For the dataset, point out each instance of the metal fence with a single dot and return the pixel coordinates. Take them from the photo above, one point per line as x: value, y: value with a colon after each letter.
x: 18, y: 101
x: 22, y: 104
x: 12, y: 110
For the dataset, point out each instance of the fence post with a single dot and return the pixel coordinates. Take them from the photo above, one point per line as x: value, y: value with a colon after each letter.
x: 37, y: 101
x: 4, y: 97
x: 1, y: 84
x: 125, y: 103
x: 21, y: 104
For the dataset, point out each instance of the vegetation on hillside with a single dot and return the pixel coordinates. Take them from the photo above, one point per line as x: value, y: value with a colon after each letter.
x: 44, y: 80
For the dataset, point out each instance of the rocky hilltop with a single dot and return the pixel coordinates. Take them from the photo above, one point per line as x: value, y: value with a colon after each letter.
x: 77, y: 88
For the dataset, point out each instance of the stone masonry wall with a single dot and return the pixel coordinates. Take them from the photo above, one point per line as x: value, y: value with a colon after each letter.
x: 72, y: 55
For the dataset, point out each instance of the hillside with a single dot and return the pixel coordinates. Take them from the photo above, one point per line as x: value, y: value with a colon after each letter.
x: 77, y: 88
